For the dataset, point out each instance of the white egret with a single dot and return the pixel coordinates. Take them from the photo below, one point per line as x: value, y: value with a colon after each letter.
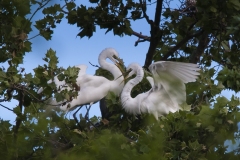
x: 94, y: 88
x: 168, y: 90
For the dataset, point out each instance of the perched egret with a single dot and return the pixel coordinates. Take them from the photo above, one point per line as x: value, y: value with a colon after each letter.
x: 168, y: 90
x: 94, y: 88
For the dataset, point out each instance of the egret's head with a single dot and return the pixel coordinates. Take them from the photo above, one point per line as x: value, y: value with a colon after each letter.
x: 132, y: 69
x: 110, y: 53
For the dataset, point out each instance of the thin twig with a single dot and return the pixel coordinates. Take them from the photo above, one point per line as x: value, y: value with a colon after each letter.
x: 139, y: 35
x: 143, y: 5
x: 3, y: 100
x: 141, y: 38
x: 33, y: 37
x: 139, y: 41
x: 94, y: 65
x: 6, y: 107
x: 40, y: 7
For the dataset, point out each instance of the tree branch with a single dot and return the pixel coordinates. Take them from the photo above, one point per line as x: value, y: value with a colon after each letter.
x: 104, y: 110
x: 141, y: 38
x: 139, y: 35
x: 143, y: 5
x: 203, y: 43
x: 40, y: 7
x: 18, y: 122
x: 33, y: 37
x: 138, y: 41
x: 179, y: 44
x: 156, y: 34
x: 6, y: 107
x: 158, y: 13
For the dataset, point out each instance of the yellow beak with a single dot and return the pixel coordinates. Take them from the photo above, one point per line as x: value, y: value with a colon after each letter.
x: 120, y: 64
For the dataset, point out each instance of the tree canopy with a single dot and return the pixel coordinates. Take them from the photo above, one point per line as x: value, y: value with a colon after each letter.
x: 204, y: 32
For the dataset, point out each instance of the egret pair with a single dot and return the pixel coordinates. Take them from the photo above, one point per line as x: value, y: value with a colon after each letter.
x: 168, y: 81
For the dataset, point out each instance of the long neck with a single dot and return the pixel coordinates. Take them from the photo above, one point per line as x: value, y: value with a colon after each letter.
x: 130, y: 104
x: 116, y: 84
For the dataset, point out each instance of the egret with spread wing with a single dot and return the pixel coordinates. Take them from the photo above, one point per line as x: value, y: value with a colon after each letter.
x: 168, y: 90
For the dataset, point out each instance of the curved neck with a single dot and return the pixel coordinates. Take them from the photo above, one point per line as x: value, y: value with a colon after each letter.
x: 113, y: 69
x: 131, y: 105
x: 117, y: 84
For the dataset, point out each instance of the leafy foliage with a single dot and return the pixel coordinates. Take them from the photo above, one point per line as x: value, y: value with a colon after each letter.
x: 206, y: 33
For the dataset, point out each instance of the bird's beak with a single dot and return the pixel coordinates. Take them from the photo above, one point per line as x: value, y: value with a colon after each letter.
x: 119, y: 63
x: 125, y: 75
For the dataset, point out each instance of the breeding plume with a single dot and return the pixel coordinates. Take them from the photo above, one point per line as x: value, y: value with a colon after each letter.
x: 94, y: 88
x: 168, y: 90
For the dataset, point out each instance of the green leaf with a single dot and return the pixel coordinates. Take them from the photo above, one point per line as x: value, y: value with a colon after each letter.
x: 185, y: 106
x: 53, y: 60
x: 210, y: 128
x: 27, y: 45
x: 70, y: 5
x: 59, y: 97
x: 144, y: 148
x: 236, y: 3
x: 2, y: 75
x: 36, y: 80
x: 15, y: 79
x: 213, y: 9
x: 194, y: 145
x: 220, y: 85
x: 226, y: 46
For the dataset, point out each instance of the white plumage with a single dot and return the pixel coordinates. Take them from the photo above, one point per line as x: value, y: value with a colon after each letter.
x: 168, y: 90
x: 94, y: 88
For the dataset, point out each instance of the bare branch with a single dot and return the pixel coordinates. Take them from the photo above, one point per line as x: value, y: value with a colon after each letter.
x: 6, y: 107
x: 139, y: 35
x: 192, y: 25
x: 94, y: 65
x: 3, y: 100
x: 33, y: 37
x: 138, y: 41
x: 141, y: 38
x: 143, y: 5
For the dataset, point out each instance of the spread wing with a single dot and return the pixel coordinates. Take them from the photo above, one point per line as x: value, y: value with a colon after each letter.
x: 172, y: 76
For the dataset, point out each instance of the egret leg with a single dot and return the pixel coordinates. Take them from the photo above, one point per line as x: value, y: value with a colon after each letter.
x: 87, y: 114
x: 75, y: 118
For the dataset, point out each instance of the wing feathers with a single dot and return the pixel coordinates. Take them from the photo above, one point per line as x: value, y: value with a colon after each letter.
x: 169, y: 78
x: 186, y: 72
